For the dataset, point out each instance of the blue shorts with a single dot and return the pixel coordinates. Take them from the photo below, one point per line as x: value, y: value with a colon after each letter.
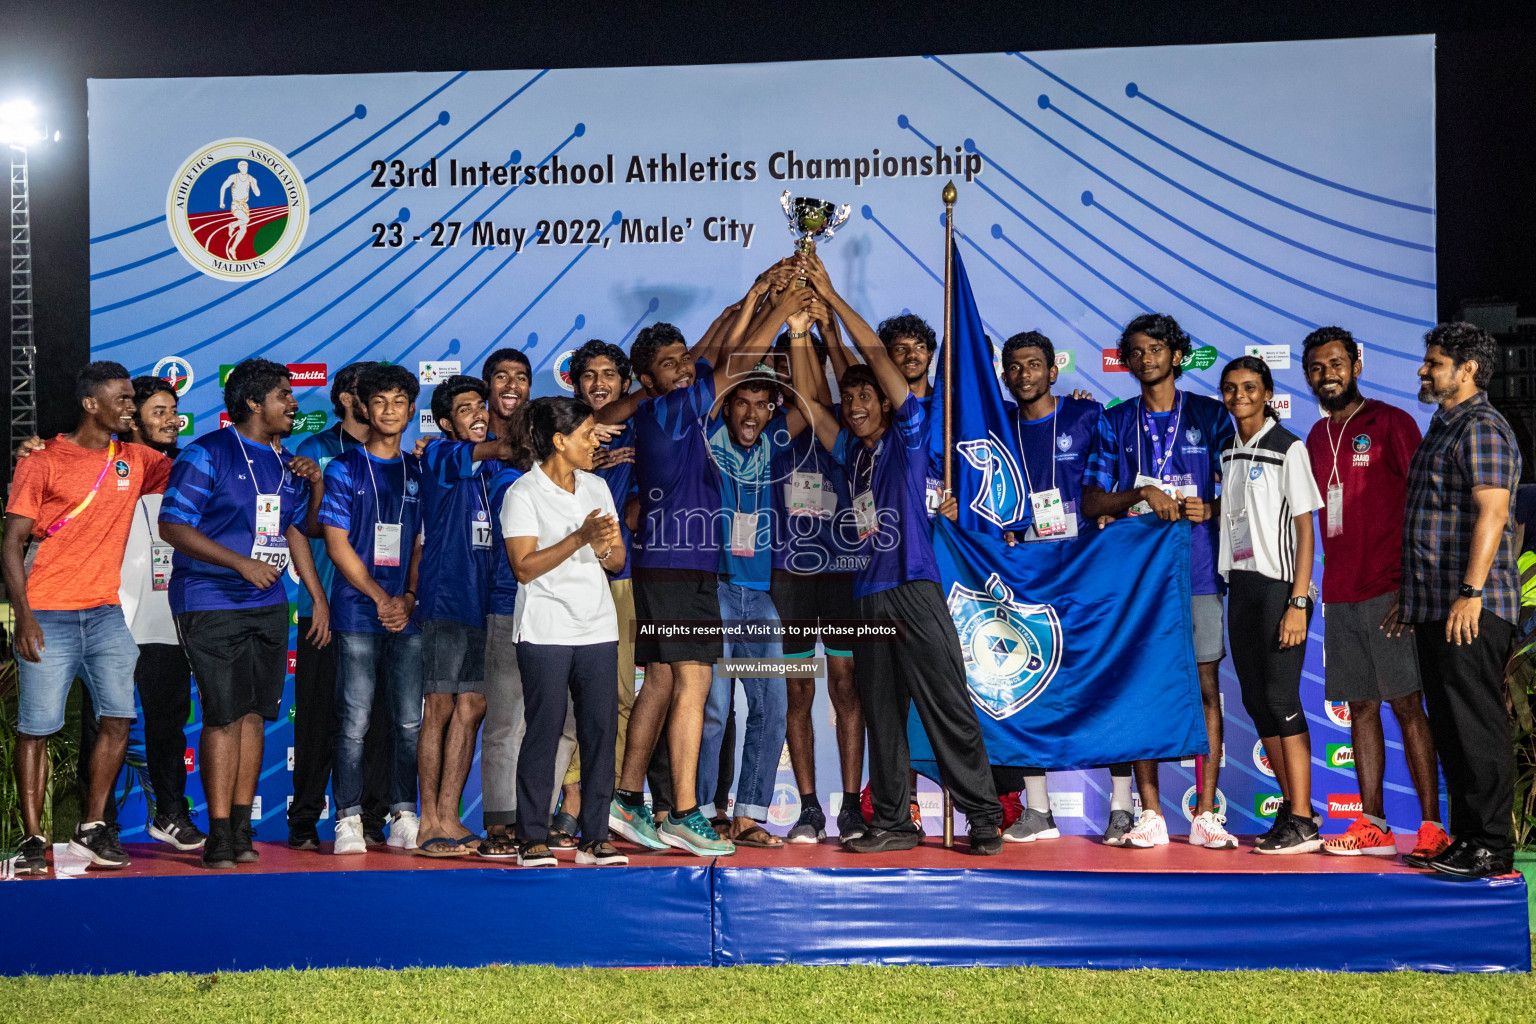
x: 92, y: 643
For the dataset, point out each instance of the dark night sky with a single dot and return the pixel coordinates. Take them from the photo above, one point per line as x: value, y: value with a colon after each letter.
x: 1486, y: 90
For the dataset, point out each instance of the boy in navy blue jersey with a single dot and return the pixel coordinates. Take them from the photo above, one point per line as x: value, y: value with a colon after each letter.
x: 676, y: 570
x: 233, y: 511
x: 1160, y: 454
x: 454, y: 589
x: 883, y: 448
x: 314, y: 676
x: 371, y: 515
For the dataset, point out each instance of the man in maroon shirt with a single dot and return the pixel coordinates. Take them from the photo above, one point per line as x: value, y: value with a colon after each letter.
x: 1360, y: 454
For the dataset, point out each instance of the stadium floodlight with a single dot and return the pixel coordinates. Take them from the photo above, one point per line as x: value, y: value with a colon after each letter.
x: 19, y: 125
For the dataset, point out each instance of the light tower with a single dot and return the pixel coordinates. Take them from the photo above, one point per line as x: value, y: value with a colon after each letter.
x: 19, y: 130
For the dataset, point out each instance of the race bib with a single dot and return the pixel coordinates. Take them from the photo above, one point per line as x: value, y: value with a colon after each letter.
x: 1049, y: 513
x: 933, y: 495
x: 864, y: 514
x: 1141, y: 508
x: 1241, y: 539
x: 160, y: 556
x: 480, y: 530
x: 386, y: 544
x: 744, y: 534
x: 1335, y: 510
x: 269, y: 545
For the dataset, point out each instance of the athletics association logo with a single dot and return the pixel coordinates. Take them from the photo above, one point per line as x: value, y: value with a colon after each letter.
x: 1001, y: 497
x: 176, y: 372
x: 1192, y: 801
x: 1338, y: 712
x: 563, y: 370
x: 1011, y: 650
x: 1261, y: 759
x: 237, y: 209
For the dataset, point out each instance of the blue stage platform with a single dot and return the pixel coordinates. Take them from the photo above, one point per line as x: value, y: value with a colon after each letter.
x: 1066, y: 903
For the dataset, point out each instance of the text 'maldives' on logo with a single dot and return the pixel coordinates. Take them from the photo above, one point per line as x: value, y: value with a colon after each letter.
x: 237, y: 209
x: 563, y: 373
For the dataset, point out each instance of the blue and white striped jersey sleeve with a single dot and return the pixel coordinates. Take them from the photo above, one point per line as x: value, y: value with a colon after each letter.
x: 336, y: 506
x: 190, y: 487
x: 1104, y: 457
x: 448, y: 462
x: 910, y: 421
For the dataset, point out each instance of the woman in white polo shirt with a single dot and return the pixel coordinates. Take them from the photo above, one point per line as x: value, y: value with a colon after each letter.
x: 562, y: 536
x: 1267, y: 500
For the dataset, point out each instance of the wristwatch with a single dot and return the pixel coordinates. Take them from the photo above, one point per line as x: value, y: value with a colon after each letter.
x: 1303, y: 602
x: 1467, y: 590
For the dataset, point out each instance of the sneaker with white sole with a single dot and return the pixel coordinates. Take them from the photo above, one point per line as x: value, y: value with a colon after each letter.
x: 1151, y: 830
x: 633, y: 822
x: 695, y: 835
x: 850, y: 822
x: 810, y: 829
x: 97, y: 842
x: 1362, y: 839
x: 1120, y: 824
x: 602, y: 855
x: 177, y: 830
x: 403, y: 826
x: 1209, y: 830
x: 1295, y: 835
x: 349, y: 835
x: 1032, y: 825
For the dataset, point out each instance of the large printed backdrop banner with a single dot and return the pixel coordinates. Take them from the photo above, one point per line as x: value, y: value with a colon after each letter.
x: 1253, y: 191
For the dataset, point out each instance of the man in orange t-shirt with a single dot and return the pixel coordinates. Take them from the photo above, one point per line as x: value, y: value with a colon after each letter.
x: 77, y: 497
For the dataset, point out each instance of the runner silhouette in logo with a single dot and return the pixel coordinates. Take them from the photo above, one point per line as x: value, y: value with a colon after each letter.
x: 240, y: 186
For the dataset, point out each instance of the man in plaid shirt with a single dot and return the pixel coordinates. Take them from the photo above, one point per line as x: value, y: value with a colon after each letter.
x: 1460, y: 588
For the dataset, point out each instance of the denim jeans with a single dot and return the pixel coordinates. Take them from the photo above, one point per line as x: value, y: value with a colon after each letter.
x: 93, y: 643
x: 361, y: 660
x: 767, y: 704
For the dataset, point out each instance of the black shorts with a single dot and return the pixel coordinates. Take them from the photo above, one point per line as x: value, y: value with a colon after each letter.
x: 677, y: 595
x: 452, y: 657
x: 239, y: 659
x: 808, y: 601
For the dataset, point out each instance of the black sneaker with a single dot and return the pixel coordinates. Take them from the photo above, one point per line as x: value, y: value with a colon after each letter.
x: 98, y: 843
x: 986, y: 841
x: 811, y: 828
x: 1295, y: 835
x: 32, y: 858
x: 850, y: 823
x: 219, y: 850
x: 178, y: 831
x: 1120, y: 823
x: 373, y: 832
x: 245, y: 836
x: 1463, y: 859
x: 879, y: 840
x: 303, y: 836
x: 1274, y: 827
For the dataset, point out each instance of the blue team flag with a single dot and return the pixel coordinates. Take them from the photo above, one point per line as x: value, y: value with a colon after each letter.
x: 1077, y: 652
x: 987, y: 481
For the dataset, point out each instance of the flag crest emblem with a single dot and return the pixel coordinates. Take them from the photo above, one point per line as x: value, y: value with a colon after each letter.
x: 1011, y: 650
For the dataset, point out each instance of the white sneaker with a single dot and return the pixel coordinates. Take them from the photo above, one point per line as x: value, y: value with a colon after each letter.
x: 1151, y: 830
x: 403, y: 827
x: 349, y: 835
x: 1208, y: 831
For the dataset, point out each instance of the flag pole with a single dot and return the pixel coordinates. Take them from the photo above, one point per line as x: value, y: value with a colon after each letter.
x: 949, y: 195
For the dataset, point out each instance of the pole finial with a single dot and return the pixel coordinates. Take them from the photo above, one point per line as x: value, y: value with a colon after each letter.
x: 950, y: 194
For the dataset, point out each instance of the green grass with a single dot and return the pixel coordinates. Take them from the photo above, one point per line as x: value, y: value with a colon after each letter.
x: 803, y: 995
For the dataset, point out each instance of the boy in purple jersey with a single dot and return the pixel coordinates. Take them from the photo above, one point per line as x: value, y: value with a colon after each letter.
x: 455, y: 576
x: 884, y: 450
x: 1053, y: 437
x: 371, y: 515
x: 233, y: 512
x: 675, y: 572
x: 1161, y: 454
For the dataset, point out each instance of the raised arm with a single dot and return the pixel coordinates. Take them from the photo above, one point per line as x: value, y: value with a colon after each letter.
x: 863, y: 336
x: 761, y: 338
x: 803, y: 374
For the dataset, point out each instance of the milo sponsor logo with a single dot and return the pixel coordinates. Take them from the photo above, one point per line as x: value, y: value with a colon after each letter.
x: 1266, y: 805
x: 1341, y: 755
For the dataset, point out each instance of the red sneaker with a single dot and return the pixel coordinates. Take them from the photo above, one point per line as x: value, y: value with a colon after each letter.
x: 1431, y: 843
x: 1362, y: 839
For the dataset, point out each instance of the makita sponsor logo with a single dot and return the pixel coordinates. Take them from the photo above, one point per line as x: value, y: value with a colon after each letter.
x: 1344, y: 805
x: 307, y: 375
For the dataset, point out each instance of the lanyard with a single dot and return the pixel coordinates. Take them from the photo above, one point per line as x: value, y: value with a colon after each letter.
x: 1159, y: 457
x: 111, y: 457
x: 378, y: 510
x: 1018, y: 430
x: 281, y: 468
x: 1333, y: 473
x: 869, y: 477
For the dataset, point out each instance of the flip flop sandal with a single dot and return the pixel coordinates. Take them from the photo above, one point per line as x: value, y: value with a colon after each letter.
x: 442, y: 846
x: 758, y: 837
x: 721, y: 825
x: 471, y: 841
